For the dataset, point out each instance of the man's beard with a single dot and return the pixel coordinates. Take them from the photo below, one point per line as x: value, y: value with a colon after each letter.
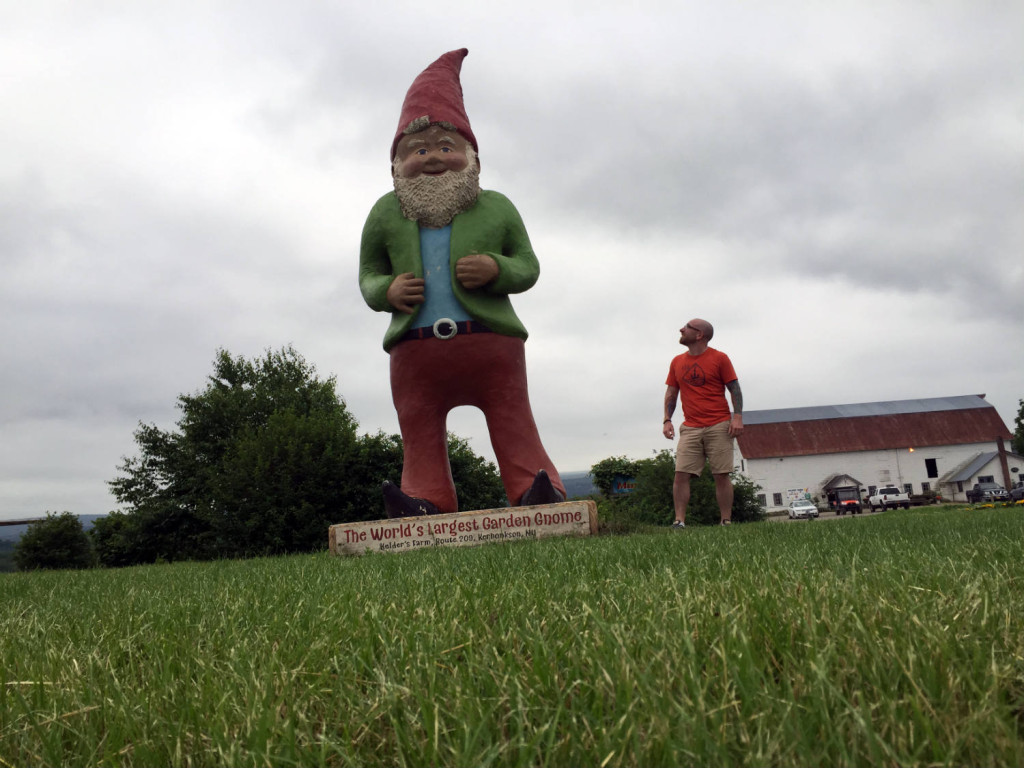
x: 433, y: 201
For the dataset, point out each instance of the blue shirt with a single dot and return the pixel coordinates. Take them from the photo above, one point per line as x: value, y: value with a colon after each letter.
x: 435, y: 251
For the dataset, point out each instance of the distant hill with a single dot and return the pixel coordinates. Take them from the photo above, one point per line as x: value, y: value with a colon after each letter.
x: 578, y: 484
x: 14, y: 532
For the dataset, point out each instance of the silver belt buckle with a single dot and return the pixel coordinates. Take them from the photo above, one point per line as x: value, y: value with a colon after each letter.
x: 440, y: 332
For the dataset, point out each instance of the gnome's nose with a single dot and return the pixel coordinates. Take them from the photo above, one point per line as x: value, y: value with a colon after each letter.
x: 434, y: 163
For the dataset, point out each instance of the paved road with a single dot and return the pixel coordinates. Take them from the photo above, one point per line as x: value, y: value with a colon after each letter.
x: 830, y: 515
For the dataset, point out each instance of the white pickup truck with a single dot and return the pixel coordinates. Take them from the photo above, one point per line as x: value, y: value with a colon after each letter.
x: 889, y: 497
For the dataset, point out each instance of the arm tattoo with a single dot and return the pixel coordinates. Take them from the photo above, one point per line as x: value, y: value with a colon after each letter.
x: 736, y: 394
x: 671, y: 395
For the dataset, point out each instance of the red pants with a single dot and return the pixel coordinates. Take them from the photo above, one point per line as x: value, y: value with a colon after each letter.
x: 431, y: 376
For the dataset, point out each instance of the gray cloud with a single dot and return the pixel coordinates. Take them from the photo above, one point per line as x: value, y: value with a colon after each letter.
x: 827, y: 183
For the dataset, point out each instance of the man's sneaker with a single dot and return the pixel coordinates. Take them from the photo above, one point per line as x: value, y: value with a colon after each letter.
x: 678, y: 524
x: 727, y: 522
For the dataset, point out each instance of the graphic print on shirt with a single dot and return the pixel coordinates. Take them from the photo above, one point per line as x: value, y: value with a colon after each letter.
x: 694, y: 376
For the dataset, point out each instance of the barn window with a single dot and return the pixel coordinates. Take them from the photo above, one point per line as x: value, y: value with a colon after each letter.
x: 932, y: 467
x: 777, y: 499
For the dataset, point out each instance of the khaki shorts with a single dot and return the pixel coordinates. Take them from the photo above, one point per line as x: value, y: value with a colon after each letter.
x: 696, y: 443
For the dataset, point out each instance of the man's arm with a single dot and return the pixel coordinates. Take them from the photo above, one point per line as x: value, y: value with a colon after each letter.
x: 671, y: 395
x: 736, y: 394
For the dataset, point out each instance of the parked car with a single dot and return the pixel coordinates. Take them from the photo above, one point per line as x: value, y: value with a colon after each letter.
x: 987, y: 492
x: 802, y: 508
x: 1017, y: 492
x: 889, y: 497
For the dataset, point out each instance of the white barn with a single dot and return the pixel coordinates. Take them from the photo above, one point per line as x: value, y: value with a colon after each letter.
x: 938, y: 445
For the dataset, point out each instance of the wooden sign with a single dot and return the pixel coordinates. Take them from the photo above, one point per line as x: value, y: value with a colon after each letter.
x: 465, y: 529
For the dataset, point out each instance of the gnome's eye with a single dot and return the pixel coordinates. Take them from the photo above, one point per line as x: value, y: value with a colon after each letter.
x: 421, y: 151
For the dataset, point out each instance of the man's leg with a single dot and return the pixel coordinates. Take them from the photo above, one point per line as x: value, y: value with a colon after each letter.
x: 689, y: 463
x: 681, y: 495
x: 723, y: 492
x: 719, y: 447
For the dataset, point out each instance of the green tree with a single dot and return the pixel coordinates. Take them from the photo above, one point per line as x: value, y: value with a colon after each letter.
x: 1018, y: 434
x: 476, y: 480
x: 119, y: 540
x: 57, y: 542
x: 257, y: 465
x: 263, y: 461
x: 378, y: 458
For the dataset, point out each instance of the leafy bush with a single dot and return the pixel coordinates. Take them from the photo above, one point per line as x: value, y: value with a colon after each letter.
x: 7, y: 556
x: 652, y: 503
x: 118, y: 540
x: 606, y: 470
x: 57, y: 542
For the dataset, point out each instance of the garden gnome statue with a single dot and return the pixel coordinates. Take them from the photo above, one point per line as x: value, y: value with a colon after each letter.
x: 442, y: 256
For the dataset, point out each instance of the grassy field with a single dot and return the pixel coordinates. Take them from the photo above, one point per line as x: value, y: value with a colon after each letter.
x: 880, y: 640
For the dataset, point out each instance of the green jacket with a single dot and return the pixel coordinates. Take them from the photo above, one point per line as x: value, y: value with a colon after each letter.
x: 391, y: 246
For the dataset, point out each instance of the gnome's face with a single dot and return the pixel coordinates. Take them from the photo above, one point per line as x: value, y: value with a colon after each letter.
x: 436, y: 175
x: 432, y: 152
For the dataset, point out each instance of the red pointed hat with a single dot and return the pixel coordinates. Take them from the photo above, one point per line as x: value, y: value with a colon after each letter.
x: 435, y: 96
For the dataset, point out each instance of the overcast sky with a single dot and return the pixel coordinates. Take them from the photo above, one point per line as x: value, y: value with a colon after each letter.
x: 838, y: 187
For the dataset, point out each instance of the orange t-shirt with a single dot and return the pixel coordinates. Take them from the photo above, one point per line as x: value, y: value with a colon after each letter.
x: 701, y: 380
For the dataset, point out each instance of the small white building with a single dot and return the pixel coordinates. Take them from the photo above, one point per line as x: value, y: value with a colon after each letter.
x: 986, y: 467
x: 942, y: 445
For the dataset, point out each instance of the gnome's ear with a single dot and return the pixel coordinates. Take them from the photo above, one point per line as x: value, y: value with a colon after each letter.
x: 473, y: 153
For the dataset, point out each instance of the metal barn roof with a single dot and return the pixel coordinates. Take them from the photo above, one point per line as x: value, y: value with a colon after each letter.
x: 968, y: 468
x: 854, y: 410
x: 870, y: 427
x: 972, y: 466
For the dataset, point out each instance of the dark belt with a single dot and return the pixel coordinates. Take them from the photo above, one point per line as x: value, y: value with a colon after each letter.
x: 445, y: 329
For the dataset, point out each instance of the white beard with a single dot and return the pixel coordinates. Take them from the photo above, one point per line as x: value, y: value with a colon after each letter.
x: 434, y: 201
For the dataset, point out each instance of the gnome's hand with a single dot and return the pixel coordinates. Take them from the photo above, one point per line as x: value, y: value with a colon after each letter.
x: 475, y: 270
x: 405, y: 292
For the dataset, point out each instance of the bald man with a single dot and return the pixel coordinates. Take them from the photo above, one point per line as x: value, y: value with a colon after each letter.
x: 699, y: 378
